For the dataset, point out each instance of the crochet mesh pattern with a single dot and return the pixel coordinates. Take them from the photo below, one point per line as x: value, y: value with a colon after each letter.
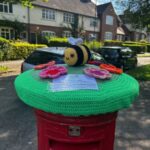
x: 113, y: 95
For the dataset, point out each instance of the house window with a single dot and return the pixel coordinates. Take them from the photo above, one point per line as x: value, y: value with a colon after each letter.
x: 6, y: 7
x: 7, y: 33
x: 108, y: 35
x: 109, y: 20
x: 48, y: 14
x: 136, y: 37
x: 142, y: 37
x: 68, y: 18
x: 48, y: 33
x: 119, y: 37
x: 67, y: 34
x: 93, y: 22
x: 23, y: 35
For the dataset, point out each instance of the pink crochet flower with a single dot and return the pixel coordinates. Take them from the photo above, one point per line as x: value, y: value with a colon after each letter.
x: 53, y: 72
x: 97, y: 73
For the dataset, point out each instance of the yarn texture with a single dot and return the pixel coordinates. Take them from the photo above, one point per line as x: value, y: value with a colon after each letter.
x: 113, y: 94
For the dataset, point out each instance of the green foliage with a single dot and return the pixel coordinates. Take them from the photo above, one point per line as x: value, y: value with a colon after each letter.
x: 113, y: 43
x: 63, y: 42
x: 137, y: 13
x: 148, y: 47
x: 137, y: 47
x: 59, y: 42
x: 16, y: 50
x: 3, y: 69
x: 93, y: 45
x: 4, y: 43
x: 141, y: 73
x: 27, y: 3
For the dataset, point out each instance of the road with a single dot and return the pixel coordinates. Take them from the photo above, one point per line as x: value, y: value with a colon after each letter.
x: 18, y: 123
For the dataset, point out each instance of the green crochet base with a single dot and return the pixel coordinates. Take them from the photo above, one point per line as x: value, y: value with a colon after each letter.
x: 113, y: 95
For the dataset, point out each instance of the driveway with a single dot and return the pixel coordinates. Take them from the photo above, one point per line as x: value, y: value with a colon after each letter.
x: 18, y: 124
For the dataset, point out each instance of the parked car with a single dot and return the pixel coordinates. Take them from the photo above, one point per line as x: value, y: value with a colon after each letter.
x: 44, y: 55
x: 96, y: 59
x: 122, y: 57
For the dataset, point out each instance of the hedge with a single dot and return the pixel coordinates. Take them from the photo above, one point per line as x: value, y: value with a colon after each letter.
x: 148, y: 47
x: 16, y: 50
x: 63, y: 42
x: 59, y: 42
x: 137, y: 47
x: 113, y: 43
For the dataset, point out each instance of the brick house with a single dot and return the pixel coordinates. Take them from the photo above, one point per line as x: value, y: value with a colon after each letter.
x: 108, y: 24
x: 131, y: 34
x: 60, y: 18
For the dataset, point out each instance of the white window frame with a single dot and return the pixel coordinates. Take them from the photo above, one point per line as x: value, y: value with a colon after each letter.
x: 142, y: 37
x: 5, y: 5
x: 68, y: 17
x: 48, y: 33
x: 109, y: 20
x: 93, y: 22
x: 67, y: 34
x: 108, y: 36
x: 48, y: 14
x: 5, y: 31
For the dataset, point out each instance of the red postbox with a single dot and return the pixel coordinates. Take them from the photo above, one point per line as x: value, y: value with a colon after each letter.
x: 57, y: 132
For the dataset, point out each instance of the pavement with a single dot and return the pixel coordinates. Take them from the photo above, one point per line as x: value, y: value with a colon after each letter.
x: 143, y: 61
x: 18, y: 123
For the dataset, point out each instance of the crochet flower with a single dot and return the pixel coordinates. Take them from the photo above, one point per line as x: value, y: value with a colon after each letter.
x: 42, y: 66
x: 97, y: 73
x: 53, y: 72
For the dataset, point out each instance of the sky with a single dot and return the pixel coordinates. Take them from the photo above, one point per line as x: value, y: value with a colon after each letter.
x: 118, y: 9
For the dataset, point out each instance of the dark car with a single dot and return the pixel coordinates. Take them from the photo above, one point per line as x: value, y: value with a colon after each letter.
x: 122, y: 57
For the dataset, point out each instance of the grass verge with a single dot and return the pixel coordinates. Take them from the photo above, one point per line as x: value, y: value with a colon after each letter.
x: 141, y: 73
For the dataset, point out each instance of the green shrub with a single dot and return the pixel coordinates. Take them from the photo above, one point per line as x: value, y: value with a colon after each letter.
x: 13, y: 50
x: 148, y: 48
x: 113, y: 43
x: 63, y: 42
x: 3, y: 69
x: 137, y: 48
x: 59, y: 42
x: 1, y: 55
x: 93, y: 45
x: 3, y: 43
x: 21, y: 50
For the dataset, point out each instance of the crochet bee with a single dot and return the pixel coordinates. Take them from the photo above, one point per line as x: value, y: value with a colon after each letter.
x: 77, y: 55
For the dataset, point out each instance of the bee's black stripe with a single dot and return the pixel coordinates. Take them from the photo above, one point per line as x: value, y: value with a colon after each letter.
x: 80, y: 55
x: 88, y: 51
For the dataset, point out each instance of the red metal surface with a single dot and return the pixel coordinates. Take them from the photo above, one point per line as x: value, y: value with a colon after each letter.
x: 56, y: 132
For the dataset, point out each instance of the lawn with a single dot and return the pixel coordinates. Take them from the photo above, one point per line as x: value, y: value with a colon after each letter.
x: 144, y: 55
x: 141, y: 73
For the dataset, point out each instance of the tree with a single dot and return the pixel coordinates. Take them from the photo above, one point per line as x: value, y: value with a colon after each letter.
x: 137, y: 12
x: 24, y: 2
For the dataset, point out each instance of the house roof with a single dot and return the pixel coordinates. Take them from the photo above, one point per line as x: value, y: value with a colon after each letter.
x: 101, y: 8
x: 73, y: 6
x: 120, y: 31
